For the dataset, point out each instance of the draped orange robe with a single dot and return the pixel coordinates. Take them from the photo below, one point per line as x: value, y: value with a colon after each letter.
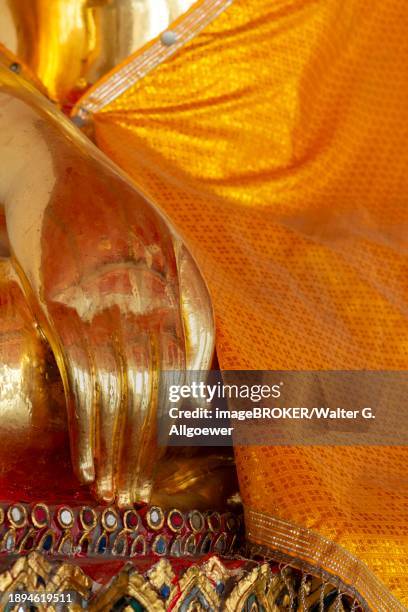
x: 274, y: 134
x: 275, y: 137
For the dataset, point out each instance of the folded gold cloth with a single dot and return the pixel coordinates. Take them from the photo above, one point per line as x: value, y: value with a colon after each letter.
x: 276, y: 140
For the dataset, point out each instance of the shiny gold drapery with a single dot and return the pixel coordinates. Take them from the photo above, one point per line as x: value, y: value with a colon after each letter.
x: 276, y: 140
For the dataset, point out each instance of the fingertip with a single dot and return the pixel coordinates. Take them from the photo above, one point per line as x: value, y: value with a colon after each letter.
x: 104, y: 490
x: 86, y: 471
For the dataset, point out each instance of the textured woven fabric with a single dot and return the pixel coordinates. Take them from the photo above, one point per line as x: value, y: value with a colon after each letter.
x: 276, y: 140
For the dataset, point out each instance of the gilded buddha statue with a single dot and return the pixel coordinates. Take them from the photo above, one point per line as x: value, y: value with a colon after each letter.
x: 164, y: 162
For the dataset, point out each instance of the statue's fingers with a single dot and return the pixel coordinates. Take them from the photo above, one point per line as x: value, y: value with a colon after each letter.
x: 172, y: 372
x: 196, y: 312
x: 105, y: 346
x: 172, y: 369
x: 147, y: 398
x: 73, y: 357
x: 137, y: 454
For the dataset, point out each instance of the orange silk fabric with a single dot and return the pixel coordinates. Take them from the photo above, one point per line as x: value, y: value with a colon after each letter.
x: 276, y: 140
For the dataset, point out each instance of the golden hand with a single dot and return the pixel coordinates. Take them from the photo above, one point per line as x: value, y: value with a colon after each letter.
x: 113, y: 288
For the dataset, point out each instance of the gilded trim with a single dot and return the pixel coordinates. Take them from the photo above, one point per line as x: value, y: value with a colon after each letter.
x: 240, y: 584
x: 303, y: 545
x: 142, y: 62
x: 94, y: 531
x: 192, y: 589
x: 133, y: 585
